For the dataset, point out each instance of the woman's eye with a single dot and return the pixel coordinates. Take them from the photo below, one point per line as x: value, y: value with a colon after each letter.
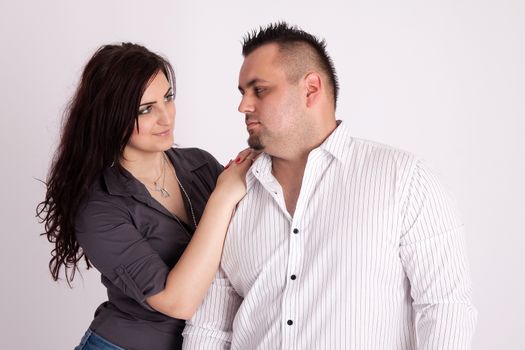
x: 169, y: 97
x: 144, y: 110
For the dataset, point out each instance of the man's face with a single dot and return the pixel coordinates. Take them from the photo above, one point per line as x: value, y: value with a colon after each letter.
x: 271, y: 104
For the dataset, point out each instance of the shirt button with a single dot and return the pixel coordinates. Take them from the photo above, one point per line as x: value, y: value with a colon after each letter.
x: 295, y: 230
x: 289, y: 322
x: 293, y: 277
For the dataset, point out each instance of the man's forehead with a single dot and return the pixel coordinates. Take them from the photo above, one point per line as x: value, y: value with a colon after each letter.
x: 260, y: 63
x: 263, y: 55
x: 267, y: 51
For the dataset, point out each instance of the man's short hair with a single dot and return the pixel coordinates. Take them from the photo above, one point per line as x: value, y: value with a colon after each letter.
x: 301, y: 51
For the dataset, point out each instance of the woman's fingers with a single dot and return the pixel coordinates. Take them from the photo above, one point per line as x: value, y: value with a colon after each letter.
x: 243, y: 155
x: 247, y: 154
x: 255, y: 154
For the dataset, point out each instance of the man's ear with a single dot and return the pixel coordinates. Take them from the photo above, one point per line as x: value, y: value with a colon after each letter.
x: 313, y: 85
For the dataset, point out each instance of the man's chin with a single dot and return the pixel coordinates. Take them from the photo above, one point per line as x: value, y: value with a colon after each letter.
x: 255, y: 143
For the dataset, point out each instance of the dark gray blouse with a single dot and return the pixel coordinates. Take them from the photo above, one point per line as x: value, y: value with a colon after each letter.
x: 134, y: 242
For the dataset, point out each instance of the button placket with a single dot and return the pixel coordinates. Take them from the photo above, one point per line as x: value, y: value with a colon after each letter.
x: 289, y: 306
x: 275, y: 191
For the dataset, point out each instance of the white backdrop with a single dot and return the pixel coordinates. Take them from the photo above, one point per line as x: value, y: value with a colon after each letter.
x: 443, y: 79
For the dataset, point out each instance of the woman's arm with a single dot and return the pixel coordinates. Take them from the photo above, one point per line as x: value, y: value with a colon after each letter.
x: 190, y: 278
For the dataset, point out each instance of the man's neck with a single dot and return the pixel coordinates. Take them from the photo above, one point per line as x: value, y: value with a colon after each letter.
x: 289, y: 173
x: 289, y: 170
x: 294, y: 157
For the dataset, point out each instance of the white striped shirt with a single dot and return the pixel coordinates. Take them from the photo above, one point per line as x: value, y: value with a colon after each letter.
x: 373, y: 258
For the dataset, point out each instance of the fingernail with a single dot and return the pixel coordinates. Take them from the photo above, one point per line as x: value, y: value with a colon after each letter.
x: 238, y: 159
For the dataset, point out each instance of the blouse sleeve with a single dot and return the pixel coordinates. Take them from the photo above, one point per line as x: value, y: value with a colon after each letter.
x: 119, y: 251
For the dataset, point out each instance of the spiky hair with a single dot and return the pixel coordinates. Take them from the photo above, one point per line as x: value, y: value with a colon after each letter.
x: 303, y: 49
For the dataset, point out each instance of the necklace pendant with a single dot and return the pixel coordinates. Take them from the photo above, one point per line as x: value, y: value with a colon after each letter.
x: 164, y: 193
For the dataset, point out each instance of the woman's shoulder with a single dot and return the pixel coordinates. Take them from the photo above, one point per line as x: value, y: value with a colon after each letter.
x: 195, y: 164
x: 109, y: 192
x: 99, y: 208
x: 193, y: 158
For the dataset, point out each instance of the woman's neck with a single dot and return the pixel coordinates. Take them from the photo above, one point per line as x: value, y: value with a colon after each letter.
x: 143, y: 166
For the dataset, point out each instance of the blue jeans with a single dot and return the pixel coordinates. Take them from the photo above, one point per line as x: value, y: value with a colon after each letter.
x: 92, y: 341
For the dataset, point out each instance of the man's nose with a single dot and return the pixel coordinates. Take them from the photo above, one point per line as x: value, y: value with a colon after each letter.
x: 246, y: 105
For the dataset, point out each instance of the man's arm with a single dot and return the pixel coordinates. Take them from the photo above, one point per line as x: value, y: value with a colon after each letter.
x: 434, y: 257
x: 211, y: 326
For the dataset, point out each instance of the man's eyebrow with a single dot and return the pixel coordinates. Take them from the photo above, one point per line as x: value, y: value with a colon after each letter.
x: 151, y: 103
x: 252, y: 83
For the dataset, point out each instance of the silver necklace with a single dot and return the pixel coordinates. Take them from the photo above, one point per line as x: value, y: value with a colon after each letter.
x: 160, y: 188
x: 185, y: 194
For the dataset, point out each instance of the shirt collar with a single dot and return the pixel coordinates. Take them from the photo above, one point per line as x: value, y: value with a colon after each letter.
x: 336, y: 144
x: 120, y: 182
x: 260, y: 169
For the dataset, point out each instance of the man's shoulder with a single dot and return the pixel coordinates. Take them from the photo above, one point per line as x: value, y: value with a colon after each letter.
x: 368, y: 148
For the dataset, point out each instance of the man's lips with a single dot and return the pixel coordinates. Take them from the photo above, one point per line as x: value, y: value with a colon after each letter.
x: 251, y: 124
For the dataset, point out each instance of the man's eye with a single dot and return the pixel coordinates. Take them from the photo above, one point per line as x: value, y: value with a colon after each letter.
x: 258, y: 90
x: 169, y: 97
x: 144, y: 110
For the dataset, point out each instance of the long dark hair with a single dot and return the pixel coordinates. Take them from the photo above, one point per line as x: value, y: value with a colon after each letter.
x: 98, y: 123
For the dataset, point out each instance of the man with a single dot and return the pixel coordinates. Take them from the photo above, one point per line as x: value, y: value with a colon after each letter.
x: 340, y: 243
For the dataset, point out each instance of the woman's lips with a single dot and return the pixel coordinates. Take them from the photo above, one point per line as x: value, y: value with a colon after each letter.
x: 163, y: 133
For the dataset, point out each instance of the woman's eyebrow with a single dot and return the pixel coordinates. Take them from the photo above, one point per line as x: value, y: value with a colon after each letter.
x: 150, y: 103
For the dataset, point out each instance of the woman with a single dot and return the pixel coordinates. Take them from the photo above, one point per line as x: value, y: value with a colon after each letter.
x: 122, y: 198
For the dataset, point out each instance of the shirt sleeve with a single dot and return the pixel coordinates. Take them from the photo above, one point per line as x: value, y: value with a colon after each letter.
x: 119, y: 251
x: 434, y: 257
x: 211, y: 326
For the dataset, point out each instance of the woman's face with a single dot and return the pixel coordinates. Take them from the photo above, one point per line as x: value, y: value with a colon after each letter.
x: 156, y: 119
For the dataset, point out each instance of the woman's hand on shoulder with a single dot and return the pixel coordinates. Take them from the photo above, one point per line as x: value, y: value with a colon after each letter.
x: 232, y: 182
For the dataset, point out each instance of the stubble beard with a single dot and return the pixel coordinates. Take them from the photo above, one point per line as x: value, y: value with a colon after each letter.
x: 255, y: 143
